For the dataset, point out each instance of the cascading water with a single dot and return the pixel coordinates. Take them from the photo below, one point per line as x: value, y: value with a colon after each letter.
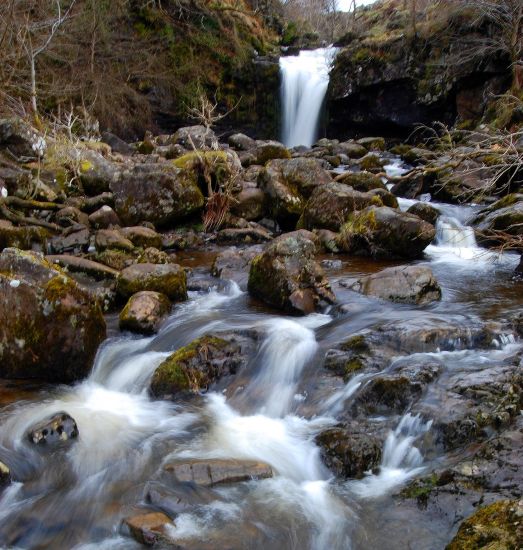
x: 305, y: 79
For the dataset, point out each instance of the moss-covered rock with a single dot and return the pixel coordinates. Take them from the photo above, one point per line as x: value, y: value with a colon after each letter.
x: 195, y: 367
x: 51, y: 329
x: 168, y: 279
x: 269, y: 150
x: 24, y: 238
x: 144, y: 312
x: 385, y: 232
x: 425, y: 211
x: 362, y: 181
x: 498, y: 526
x: 287, y: 276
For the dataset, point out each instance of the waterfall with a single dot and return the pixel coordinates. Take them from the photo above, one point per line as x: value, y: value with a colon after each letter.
x: 452, y: 233
x: 305, y: 78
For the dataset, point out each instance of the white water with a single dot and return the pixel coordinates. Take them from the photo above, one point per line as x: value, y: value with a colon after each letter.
x: 305, y: 79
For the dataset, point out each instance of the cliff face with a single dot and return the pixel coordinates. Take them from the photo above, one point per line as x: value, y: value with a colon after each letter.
x: 386, y: 80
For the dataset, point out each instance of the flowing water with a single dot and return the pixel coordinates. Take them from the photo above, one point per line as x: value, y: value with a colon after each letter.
x: 305, y: 79
x: 271, y: 412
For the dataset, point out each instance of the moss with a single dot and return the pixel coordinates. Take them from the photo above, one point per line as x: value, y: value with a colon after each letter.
x: 497, y: 526
x: 192, y: 159
x: 85, y: 166
x: 357, y: 344
x: 351, y: 366
x: 421, y: 489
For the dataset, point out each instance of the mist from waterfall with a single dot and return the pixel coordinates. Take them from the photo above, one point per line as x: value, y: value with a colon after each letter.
x: 305, y: 79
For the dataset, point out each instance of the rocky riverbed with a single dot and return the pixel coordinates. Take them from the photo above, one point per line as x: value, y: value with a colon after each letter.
x: 334, y: 363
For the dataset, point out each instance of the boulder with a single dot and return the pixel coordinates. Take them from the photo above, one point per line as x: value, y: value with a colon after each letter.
x: 114, y: 259
x: 104, y: 218
x: 152, y: 255
x: 269, y: 150
x: 287, y: 276
x: 161, y: 194
x: 331, y: 204
x: 193, y: 368
x: 74, y: 239
x: 349, y: 455
x: 117, y: 144
x: 51, y: 329
x: 505, y: 215
x: 53, y: 431
x: 361, y: 181
x: 168, y: 279
x: 288, y: 183
x: 148, y: 528
x: 25, y: 238
x: 241, y: 142
x: 372, y: 143
x: 96, y: 173
x: 425, y: 211
x: 248, y: 235
x: 351, y: 149
x: 211, y: 472
x: 192, y: 137
x: 234, y: 264
x: 76, y: 264
x: 250, y: 203
x: 144, y: 312
x: 21, y: 139
x: 141, y: 236
x: 70, y: 215
x: 411, y: 284
x: 385, y: 232
x: 112, y: 238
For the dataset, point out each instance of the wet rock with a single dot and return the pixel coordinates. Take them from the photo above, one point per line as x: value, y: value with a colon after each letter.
x: 331, y: 204
x: 161, y: 194
x: 178, y: 498
x: 191, y: 137
x: 74, y: 240
x: 287, y: 276
x: 148, y: 528
x: 288, y: 183
x: 55, y: 430
x: 498, y: 525
x: 371, y: 163
x: 361, y: 181
x: 348, y: 454
x: 412, y: 186
x: 112, y: 238
x: 385, y: 232
x: 269, y: 150
x: 51, y: 328
x: 411, y: 284
x: 195, y: 367
x: 70, y: 215
x: 250, y: 235
x: 25, y: 238
x: 21, y: 139
x: 213, y: 472
x: 168, y: 279
x: 234, y: 264
x: 77, y: 264
x: 425, y: 211
x: 144, y: 312
x: 250, y: 203
x: 104, y: 218
x: 143, y: 237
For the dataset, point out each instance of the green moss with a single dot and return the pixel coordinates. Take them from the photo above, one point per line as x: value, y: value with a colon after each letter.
x: 194, y: 158
x: 357, y: 344
x: 353, y: 365
x: 421, y: 489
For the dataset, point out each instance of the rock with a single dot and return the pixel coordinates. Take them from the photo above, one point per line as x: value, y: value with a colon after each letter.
x: 211, y: 472
x: 104, y: 218
x: 91, y: 204
x: 385, y: 232
x: 25, y: 238
x: 412, y: 186
x: 70, y: 215
x: 288, y: 183
x: 347, y: 454
x: 115, y: 259
x: 21, y: 139
x: 168, y: 279
x: 498, y: 525
x: 242, y: 142
x: 96, y: 173
x: 76, y: 264
x: 143, y: 237
x: 425, y: 211
x: 117, y: 144
x: 112, y: 238
x: 361, y: 181
x: 152, y: 255
x: 248, y: 235
x: 5, y: 475
x: 55, y: 430
x: 269, y: 150
x: 331, y: 204
x: 148, y: 528
x: 287, y: 276
x: 411, y: 284
x: 156, y: 193
x: 144, y: 312
x: 504, y: 215
x: 195, y: 367
x: 372, y: 143
x: 250, y: 203
x: 198, y: 137
x: 177, y: 498
x: 74, y: 240
x: 234, y: 264
x: 371, y: 163
x: 51, y: 328
x: 351, y: 149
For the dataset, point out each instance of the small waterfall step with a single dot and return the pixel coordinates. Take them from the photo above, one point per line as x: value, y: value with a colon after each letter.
x: 305, y: 79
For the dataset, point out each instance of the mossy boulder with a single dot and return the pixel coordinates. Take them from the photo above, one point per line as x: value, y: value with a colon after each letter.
x: 331, y: 204
x: 372, y: 143
x: 51, y: 328
x: 25, y: 238
x: 351, y: 149
x: 385, y: 232
x: 144, y: 312
x: 498, y: 526
x: 505, y: 215
x: 168, y: 279
x: 362, y: 181
x: 158, y: 193
x: 269, y: 150
x: 425, y: 211
x: 194, y: 136
x: 141, y: 236
x: 287, y: 276
x: 193, y: 368
x: 288, y: 183
x: 371, y: 163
